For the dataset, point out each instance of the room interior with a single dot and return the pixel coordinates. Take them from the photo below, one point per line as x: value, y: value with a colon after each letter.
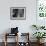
x: 22, y: 22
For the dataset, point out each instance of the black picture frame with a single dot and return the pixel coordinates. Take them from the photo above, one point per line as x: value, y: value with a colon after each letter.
x: 18, y: 13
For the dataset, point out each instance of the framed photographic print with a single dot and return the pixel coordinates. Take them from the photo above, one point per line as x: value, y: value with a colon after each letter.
x: 17, y: 13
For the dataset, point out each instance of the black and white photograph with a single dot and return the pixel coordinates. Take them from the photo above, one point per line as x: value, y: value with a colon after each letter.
x: 17, y: 13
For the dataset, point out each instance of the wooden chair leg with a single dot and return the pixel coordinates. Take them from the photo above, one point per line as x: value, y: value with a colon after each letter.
x: 5, y: 39
x: 17, y: 40
x: 5, y: 43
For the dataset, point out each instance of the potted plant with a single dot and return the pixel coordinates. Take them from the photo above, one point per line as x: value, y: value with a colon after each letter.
x: 39, y: 35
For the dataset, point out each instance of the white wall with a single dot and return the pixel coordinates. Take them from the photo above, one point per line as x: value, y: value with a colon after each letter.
x: 24, y: 25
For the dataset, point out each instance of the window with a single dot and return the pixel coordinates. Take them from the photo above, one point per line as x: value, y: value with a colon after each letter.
x: 41, y: 8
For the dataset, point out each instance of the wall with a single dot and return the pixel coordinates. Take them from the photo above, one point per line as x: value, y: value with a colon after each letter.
x: 24, y: 25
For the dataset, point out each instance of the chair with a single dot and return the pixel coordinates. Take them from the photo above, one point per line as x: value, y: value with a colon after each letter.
x: 26, y: 41
x: 7, y: 35
x: 14, y: 32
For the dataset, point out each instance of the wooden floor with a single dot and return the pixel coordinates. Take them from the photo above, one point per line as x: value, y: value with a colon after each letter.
x: 13, y: 44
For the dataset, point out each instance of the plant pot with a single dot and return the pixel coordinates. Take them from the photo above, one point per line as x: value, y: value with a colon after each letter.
x: 40, y: 41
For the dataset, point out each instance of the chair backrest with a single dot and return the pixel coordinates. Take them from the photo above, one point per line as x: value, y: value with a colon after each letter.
x: 14, y: 30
